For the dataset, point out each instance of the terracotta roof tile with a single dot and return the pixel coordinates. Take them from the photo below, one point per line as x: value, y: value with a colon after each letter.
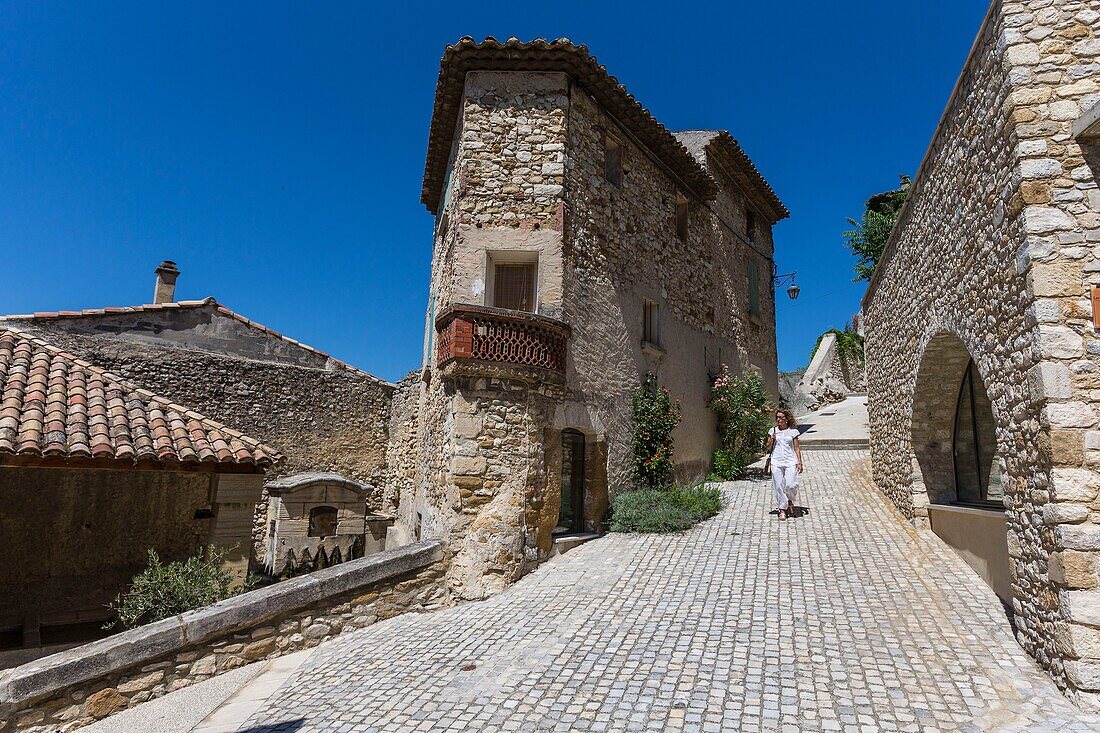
x: 53, y: 404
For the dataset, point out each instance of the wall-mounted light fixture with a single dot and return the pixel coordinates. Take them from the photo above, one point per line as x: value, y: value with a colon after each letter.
x: 792, y: 288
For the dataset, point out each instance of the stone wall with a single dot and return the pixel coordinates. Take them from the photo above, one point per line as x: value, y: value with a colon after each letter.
x: 511, y: 155
x: 81, y: 534
x: 402, y: 448
x: 621, y: 247
x: 991, y: 259
x: 829, y: 378
x: 72, y: 689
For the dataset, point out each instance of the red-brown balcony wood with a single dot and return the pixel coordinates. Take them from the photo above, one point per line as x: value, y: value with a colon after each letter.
x: 479, y: 339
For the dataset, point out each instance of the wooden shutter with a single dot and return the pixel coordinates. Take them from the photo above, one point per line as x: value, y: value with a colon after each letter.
x: 754, y: 288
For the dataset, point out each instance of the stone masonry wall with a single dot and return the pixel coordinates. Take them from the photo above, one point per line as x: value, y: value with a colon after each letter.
x: 259, y: 625
x: 80, y: 535
x: 621, y: 247
x: 992, y: 258
x: 498, y: 469
x: 510, y: 160
x: 402, y: 447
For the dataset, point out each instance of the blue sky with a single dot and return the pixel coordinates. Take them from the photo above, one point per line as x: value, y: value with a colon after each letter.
x: 275, y: 150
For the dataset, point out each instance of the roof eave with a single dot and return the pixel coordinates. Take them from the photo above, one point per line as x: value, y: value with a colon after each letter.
x: 540, y: 55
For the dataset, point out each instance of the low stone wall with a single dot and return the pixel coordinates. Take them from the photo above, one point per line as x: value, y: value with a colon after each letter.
x: 72, y: 689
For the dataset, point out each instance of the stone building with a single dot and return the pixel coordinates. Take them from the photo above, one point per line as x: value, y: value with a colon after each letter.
x: 578, y: 245
x: 94, y: 473
x: 322, y: 414
x: 982, y: 350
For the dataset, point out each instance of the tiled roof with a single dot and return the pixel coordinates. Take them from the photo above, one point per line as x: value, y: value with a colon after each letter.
x: 53, y: 404
x: 740, y: 167
x: 542, y: 55
x: 183, y: 304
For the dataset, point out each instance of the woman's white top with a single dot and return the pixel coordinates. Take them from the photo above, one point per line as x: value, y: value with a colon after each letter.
x: 783, y: 452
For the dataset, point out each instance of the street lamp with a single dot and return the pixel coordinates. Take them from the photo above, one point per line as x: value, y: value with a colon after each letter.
x: 792, y: 290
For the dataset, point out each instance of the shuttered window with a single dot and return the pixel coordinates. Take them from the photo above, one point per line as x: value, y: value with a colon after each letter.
x: 651, y: 323
x: 754, y: 288
x: 682, y: 217
x: 514, y: 285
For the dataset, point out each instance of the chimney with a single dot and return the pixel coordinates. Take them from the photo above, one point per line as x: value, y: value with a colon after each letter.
x: 167, y: 272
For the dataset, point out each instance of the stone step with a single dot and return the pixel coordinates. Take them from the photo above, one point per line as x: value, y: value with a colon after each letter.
x: 567, y: 542
x: 837, y: 444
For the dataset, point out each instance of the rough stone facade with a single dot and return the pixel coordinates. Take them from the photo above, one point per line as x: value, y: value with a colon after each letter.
x: 992, y: 259
x: 262, y: 624
x: 525, y: 182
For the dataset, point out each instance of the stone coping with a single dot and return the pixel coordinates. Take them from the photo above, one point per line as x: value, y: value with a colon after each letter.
x: 49, y: 675
x: 298, y: 480
x: 990, y: 511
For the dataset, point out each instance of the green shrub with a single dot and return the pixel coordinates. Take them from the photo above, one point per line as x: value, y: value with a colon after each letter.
x: 161, y: 591
x: 656, y: 415
x: 744, y: 411
x: 726, y: 467
x: 671, y: 510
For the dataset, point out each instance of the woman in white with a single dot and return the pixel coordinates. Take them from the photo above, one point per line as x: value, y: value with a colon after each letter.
x: 785, y: 459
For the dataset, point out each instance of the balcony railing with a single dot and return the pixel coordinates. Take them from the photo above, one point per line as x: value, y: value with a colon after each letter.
x: 475, y: 333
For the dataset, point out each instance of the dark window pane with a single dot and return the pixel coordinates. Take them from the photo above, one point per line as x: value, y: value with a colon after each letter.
x: 322, y: 521
x: 650, y: 323
x: 968, y: 481
x: 613, y: 162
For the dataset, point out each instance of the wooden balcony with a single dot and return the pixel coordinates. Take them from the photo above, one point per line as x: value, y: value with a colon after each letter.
x: 475, y: 339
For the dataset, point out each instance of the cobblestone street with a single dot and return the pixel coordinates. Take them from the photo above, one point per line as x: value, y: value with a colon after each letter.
x: 817, y: 624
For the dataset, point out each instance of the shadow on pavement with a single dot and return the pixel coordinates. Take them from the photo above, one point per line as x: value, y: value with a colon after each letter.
x: 288, y: 726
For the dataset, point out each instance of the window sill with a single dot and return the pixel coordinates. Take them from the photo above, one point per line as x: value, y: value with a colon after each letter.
x: 756, y: 320
x: 652, y: 349
x: 969, y: 507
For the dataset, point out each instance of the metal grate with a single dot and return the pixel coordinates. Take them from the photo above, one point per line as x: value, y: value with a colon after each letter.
x: 505, y: 337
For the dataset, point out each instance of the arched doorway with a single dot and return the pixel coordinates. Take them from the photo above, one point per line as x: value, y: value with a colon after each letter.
x: 571, y: 508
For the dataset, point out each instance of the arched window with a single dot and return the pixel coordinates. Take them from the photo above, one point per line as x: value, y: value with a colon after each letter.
x: 974, y: 443
x: 322, y: 521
